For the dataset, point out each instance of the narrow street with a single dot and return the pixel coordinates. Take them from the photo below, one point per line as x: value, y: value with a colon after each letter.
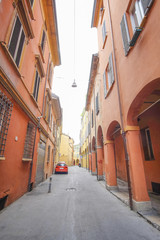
x: 78, y: 208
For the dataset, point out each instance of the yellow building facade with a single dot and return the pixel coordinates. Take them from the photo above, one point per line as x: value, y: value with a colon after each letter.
x: 76, y: 156
x: 66, y: 149
x: 84, y: 140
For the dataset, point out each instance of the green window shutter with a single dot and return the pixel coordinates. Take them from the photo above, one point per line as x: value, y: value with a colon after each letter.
x: 125, y: 34
x: 111, y: 68
x: 104, y: 84
x: 146, y: 4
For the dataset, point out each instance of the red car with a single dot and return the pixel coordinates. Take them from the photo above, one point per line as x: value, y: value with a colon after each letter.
x: 61, y: 167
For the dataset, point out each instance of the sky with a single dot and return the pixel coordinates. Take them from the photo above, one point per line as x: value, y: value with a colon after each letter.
x: 75, y: 60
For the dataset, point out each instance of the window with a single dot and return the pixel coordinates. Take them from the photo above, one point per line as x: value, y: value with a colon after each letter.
x: 147, y: 144
x: 97, y: 104
x: 104, y: 33
x: 43, y: 41
x: 50, y: 73
x: 17, y: 41
x: 108, y: 76
x: 136, y: 14
x: 29, y: 142
x: 36, y: 86
x: 5, y: 115
x: 49, y: 152
x: 102, y: 11
x: 138, y: 11
x: 31, y: 2
x: 92, y: 119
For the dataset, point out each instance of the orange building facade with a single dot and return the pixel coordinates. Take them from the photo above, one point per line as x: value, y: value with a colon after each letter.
x: 123, y: 97
x: 29, y: 51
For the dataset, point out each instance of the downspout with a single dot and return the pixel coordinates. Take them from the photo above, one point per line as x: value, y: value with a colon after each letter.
x: 121, y: 114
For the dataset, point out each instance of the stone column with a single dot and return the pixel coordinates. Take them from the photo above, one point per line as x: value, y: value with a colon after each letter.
x: 90, y: 159
x: 141, y: 200
x: 100, y: 162
x: 94, y: 170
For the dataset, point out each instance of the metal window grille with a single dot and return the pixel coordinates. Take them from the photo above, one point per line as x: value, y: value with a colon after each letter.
x: 29, y: 141
x: 5, y: 115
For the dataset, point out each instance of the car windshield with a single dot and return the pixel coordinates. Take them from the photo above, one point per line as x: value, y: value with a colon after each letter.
x: 61, y: 164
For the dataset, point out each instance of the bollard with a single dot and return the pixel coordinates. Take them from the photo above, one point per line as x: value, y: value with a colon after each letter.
x: 50, y: 181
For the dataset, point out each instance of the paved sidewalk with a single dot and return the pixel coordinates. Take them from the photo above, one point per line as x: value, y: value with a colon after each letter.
x: 152, y: 216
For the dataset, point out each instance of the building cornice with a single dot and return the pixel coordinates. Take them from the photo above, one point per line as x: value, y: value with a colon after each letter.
x: 49, y: 8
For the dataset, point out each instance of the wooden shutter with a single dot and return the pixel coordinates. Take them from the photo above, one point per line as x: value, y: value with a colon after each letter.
x: 104, y: 84
x: 146, y: 4
x: 111, y: 68
x: 125, y: 34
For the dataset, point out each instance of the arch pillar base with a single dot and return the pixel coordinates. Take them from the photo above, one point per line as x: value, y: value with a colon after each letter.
x: 94, y: 173
x: 141, y: 206
x: 111, y: 188
x: 100, y: 178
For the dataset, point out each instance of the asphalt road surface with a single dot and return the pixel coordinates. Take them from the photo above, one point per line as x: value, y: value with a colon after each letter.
x: 78, y: 208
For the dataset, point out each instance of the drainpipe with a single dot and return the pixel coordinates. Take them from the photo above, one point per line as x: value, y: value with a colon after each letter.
x: 121, y: 114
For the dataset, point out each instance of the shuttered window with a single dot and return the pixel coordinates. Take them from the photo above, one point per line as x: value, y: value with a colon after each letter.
x: 108, y: 76
x: 5, y: 115
x: 29, y: 141
x: 125, y: 34
x: 36, y: 86
x: 17, y: 41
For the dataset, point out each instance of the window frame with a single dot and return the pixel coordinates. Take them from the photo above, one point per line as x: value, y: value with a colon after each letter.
x: 5, y: 117
x: 147, y: 144
x: 21, y: 31
x: 36, y: 87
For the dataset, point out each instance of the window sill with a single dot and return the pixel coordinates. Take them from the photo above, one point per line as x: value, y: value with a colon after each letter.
x: 4, y: 46
x: 2, y: 158
x: 26, y: 159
